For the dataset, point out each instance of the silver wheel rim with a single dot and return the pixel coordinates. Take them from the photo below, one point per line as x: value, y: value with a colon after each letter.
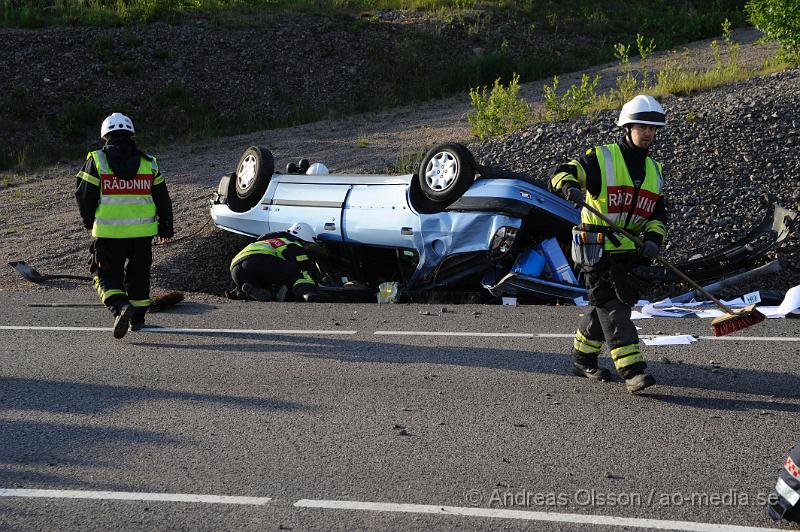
x: 247, y: 172
x: 441, y: 171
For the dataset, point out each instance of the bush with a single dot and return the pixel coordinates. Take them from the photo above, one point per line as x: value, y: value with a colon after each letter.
x: 779, y: 20
x: 77, y: 119
x: 499, y: 112
x: 572, y: 103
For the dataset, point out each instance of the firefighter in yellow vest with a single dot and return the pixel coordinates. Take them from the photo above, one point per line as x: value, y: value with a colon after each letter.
x: 123, y: 199
x: 279, y: 260
x: 623, y: 182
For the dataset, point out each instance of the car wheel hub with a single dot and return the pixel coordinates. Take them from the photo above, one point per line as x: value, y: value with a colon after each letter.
x: 441, y: 171
x: 247, y: 172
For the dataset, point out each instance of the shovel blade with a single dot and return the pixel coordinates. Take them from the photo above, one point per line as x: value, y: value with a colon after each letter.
x: 26, y: 271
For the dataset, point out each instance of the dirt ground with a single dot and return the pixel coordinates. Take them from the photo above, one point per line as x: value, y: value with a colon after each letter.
x: 40, y: 224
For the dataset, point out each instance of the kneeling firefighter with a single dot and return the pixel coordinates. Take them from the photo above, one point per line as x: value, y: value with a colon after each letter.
x: 279, y: 259
x: 623, y: 182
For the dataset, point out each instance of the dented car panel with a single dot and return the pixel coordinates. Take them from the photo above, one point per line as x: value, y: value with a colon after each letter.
x: 450, y: 246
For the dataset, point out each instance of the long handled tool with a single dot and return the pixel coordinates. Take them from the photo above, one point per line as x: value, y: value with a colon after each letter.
x: 30, y: 274
x: 732, y: 321
x: 159, y: 301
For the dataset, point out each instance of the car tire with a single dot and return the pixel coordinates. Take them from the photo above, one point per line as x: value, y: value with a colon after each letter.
x: 446, y: 172
x: 253, y: 173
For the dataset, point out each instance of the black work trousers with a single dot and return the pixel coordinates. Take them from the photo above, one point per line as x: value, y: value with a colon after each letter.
x: 122, y: 272
x: 263, y: 271
x: 613, y: 291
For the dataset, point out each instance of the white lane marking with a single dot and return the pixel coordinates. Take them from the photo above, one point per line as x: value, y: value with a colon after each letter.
x: 134, y: 496
x: 383, y: 333
x: 553, y: 517
x: 559, y: 335
x: 751, y: 338
x: 457, y: 333
x: 175, y: 330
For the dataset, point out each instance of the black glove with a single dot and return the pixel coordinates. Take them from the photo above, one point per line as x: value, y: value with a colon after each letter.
x: 649, y: 250
x: 574, y: 194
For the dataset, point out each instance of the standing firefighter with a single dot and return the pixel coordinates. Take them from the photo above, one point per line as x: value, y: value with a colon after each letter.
x: 622, y: 182
x: 123, y: 199
x: 278, y: 259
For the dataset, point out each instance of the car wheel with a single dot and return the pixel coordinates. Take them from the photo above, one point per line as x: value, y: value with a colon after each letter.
x: 253, y: 173
x: 446, y: 172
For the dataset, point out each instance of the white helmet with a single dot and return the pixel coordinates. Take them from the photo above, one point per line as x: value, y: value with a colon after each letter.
x: 642, y: 110
x: 303, y: 231
x: 317, y: 168
x: 116, y: 122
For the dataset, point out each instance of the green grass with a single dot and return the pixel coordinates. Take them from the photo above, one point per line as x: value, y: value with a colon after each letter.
x: 676, y: 77
x: 682, y: 19
x: 406, y: 163
x: 78, y: 116
x: 38, y: 13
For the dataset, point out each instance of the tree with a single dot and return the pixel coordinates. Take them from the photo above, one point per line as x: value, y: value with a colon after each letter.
x: 779, y: 20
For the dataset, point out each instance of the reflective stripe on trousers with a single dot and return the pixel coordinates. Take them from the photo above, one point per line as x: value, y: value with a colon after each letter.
x: 105, y: 294
x: 585, y: 345
x: 626, y: 355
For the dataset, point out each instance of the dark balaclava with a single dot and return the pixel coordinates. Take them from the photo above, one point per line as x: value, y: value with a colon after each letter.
x: 123, y: 155
x: 633, y: 155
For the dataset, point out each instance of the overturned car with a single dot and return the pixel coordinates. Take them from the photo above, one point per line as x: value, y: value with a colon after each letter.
x: 455, y: 226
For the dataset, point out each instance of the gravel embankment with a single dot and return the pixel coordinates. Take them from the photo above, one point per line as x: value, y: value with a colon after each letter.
x: 728, y: 155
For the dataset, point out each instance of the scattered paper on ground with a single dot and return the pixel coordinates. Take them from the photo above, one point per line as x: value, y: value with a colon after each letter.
x: 636, y: 315
x: 681, y: 339
x: 706, y: 309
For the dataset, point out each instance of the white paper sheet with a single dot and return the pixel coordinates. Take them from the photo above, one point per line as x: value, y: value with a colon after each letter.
x: 734, y: 303
x: 791, y: 301
x: 636, y: 315
x: 710, y: 313
x: 682, y: 339
x: 771, y: 312
x: 653, y: 310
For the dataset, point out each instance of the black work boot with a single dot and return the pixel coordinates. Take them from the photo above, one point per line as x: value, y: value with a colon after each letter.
x: 281, y: 292
x: 316, y: 297
x: 310, y: 294
x: 586, y: 366
x: 257, y: 293
x: 639, y: 382
x: 122, y: 317
x: 137, y: 320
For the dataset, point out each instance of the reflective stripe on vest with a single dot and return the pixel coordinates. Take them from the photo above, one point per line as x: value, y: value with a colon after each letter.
x: 273, y: 246
x: 126, y: 208
x: 617, y: 193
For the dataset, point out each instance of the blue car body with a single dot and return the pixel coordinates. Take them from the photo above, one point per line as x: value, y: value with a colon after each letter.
x: 382, y: 212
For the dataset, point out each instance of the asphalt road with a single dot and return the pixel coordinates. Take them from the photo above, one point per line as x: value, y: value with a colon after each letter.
x: 338, y: 406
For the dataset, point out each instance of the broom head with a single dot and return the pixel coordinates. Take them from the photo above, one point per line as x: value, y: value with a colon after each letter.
x: 165, y: 300
x: 737, y: 321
